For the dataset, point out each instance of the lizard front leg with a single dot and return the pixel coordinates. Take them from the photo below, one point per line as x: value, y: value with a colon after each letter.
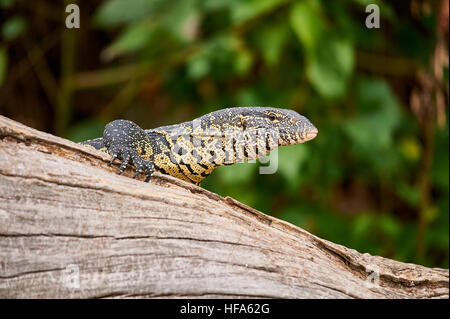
x: 127, y: 141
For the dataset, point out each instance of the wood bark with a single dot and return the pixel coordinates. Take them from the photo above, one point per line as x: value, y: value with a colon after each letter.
x: 70, y: 227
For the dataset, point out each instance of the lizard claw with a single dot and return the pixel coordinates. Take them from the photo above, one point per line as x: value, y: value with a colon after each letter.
x: 128, y: 156
x: 125, y: 140
x: 126, y: 159
x: 113, y: 157
x: 142, y: 166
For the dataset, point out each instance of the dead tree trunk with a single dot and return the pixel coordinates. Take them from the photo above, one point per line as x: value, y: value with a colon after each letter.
x: 71, y: 227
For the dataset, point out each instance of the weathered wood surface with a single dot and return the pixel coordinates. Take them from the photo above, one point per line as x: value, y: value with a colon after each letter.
x: 71, y: 227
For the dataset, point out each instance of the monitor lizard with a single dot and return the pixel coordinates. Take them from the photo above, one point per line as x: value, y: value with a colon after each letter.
x: 191, y: 150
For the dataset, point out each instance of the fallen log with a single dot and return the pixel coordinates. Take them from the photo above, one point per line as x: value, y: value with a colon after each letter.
x: 70, y: 227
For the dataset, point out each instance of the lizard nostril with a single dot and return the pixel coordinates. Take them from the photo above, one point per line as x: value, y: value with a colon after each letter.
x: 312, y: 134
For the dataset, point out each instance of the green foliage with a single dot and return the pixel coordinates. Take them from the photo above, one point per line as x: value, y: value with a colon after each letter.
x: 372, y: 131
x: 13, y: 27
x: 119, y: 12
x: 330, y: 57
x: 85, y: 130
x: 291, y: 164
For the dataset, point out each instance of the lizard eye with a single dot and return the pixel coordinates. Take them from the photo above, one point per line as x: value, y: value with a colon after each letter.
x: 272, y: 117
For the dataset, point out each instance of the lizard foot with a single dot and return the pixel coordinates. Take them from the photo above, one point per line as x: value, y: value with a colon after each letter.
x: 127, y: 141
x: 129, y: 155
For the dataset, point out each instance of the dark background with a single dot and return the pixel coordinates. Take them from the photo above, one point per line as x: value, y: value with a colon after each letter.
x: 375, y: 179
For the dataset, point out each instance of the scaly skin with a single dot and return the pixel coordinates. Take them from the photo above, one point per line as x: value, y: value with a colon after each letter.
x: 191, y: 150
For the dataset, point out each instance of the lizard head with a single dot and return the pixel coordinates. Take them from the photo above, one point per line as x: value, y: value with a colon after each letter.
x: 291, y: 127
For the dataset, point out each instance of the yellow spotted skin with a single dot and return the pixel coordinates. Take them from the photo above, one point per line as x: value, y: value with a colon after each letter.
x: 191, y: 150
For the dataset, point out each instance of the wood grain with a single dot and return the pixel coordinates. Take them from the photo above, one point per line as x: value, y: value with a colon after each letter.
x: 71, y: 228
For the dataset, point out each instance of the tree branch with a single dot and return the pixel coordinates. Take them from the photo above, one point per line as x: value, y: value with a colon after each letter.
x: 71, y: 227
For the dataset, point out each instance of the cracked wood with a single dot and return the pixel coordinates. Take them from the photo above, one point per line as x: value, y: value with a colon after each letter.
x: 71, y: 227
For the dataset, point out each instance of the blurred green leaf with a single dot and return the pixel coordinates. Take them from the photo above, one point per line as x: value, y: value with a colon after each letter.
x: 306, y: 20
x: 219, y: 4
x: 237, y: 173
x: 409, y: 193
x: 85, y: 130
x: 6, y: 3
x: 245, y: 10
x: 330, y: 60
x: 362, y: 224
x: 271, y: 40
x: 294, y: 216
x: 250, y: 97
x: 374, y: 128
x: 182, y: 20
x: 222, y: 57
x: 13, y: 27
x: 330, y: 67
x: 290, y: 163
x: 243, y: 61
x: 135, y: 37
x: 199, y: 66
x: 389, y: 226
x: 117, y: 12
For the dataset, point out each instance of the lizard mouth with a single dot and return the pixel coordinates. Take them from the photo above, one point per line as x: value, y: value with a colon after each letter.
x: 309, y: 135
x: 298, y: 137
